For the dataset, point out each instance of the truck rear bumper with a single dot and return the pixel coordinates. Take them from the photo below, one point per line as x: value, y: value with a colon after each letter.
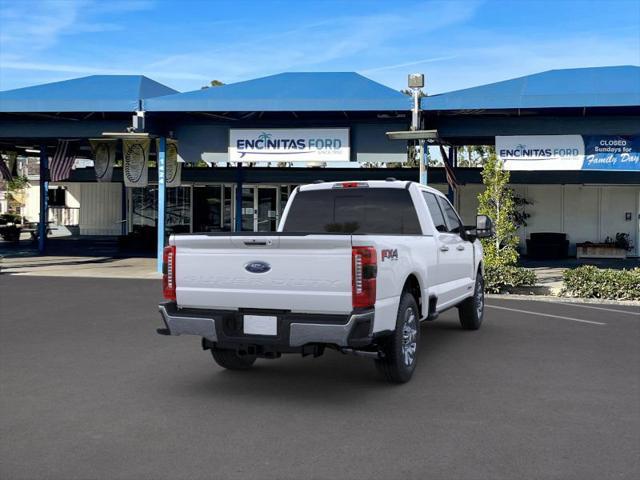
x: 225, y: 328
x: 178, y: 324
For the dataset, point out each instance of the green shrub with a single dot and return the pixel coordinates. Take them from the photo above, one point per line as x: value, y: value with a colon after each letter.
x: 592, y: 282
x: 498, y: 277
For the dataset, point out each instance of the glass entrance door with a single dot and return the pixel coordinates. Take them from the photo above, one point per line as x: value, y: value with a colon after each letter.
x: 267, y: 209
x: 212, y: 208
x: 260, y: 210
x: 248, y: 209
x: 207, y: 209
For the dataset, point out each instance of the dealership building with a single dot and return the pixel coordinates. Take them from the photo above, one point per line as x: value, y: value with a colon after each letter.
x: 230, y: 156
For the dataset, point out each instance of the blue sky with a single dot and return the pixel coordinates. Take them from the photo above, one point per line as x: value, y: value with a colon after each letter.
x: 184, y: 44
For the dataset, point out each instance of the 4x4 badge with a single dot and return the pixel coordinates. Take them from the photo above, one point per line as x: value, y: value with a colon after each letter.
x: 389, y: 254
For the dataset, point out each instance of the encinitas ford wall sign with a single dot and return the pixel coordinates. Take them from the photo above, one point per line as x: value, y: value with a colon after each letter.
x: 541, y: 152
x: 569, y: 152
x: 289, y: 145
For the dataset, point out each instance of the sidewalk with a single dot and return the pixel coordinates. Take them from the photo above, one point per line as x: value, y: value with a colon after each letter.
x: 68, y: 266
x: 549, y: 281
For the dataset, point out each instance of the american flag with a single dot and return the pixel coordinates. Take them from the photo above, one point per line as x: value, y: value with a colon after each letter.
x: 448, y: 169
x: 4, y: 170
x: 62, y: 161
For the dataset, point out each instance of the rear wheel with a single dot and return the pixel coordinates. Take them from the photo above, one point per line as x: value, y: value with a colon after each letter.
x: 401, y: 349
x: 230, y: 359
x: 471, y: 311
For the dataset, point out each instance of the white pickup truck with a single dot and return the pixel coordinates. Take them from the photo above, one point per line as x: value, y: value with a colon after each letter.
x: 354, y: 266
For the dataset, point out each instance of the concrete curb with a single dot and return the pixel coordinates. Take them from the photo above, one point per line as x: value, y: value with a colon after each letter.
x: 556, y: 299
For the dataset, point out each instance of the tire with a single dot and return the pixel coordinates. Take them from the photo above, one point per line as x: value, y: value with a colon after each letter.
x: 401, y: 349
x: 471, y: 311
x: 230, y: 359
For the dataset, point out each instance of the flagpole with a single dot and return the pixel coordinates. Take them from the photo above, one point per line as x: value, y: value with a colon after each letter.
x: 161, y: 160
x: 44, y: 199
x: 423, y: 163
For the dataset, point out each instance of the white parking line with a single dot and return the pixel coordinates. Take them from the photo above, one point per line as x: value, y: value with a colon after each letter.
x: 599, y: 308
x: 546, y: 315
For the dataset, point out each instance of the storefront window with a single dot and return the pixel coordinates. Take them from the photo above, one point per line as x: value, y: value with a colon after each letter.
x: 144, y: 207
x: 178, y: 218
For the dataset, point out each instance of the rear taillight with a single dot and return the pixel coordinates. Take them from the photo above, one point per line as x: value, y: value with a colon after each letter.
x: 169, y: 273
x: 364, y: 266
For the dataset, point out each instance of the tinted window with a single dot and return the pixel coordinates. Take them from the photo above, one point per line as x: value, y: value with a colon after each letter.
x: 453, y: 222
x: 436, y: 213
x: 353, y: 210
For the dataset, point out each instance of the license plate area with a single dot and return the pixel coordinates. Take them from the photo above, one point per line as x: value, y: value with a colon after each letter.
x: 260, y: 325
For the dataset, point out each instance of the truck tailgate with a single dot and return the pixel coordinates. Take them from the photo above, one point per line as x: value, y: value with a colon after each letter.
x: 304, y: 273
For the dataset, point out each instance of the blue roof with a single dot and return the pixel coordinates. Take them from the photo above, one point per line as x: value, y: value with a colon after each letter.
x: 96, y: 93
x: 298, y: 92
x: 577, y: 87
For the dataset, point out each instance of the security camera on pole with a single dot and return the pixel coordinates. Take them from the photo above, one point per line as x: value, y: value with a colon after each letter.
x: 416, y: 83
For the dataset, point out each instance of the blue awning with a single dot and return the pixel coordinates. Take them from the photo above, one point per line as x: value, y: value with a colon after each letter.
x: 96, y: 93
x: 288, y: 92
x: 577, y: 87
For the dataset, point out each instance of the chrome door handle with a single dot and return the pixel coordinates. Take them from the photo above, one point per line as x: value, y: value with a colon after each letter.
x: 460, y: 247
x: 444, y: 248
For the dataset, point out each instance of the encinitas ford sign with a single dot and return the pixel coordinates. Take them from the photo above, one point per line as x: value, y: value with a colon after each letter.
x: 569, y: 152
x: 289, y: 145
x: 541, y: 152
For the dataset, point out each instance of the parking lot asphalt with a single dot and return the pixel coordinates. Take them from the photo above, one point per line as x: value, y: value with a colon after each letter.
x: 89, y: 391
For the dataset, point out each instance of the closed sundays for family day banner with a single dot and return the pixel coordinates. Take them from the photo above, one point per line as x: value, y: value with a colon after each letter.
x: 289, y: 145
x: 569, y: 152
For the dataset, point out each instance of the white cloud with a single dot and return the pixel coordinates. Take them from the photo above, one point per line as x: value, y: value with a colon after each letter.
x: 314, y: 46
x: 30, y: 27
x: 408, y: 64
x: 436, y: 37
x: 88, y: 70
x: 356, y: 42
x: 499, y: 58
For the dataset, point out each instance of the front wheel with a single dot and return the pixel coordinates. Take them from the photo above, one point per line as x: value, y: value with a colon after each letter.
x: 230, y: 359
x: 471, y: 311
x: 401, y: 349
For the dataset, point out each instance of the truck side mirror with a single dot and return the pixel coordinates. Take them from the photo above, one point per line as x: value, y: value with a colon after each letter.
x: 484, y: 226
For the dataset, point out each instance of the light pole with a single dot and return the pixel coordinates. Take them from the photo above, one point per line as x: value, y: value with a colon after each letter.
x: 416, y: 83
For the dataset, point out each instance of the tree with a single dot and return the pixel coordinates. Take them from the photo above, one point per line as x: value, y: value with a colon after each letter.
x: 474, y: 155
x: 497, y: 202
x: 15, y: 194
x: 500, y: 251
x: 213, y: 83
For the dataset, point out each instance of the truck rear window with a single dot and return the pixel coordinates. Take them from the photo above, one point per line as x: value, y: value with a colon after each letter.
x: 353, y: 210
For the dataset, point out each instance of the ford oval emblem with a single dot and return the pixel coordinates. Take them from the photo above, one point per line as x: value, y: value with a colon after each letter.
x: 257, y: 267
